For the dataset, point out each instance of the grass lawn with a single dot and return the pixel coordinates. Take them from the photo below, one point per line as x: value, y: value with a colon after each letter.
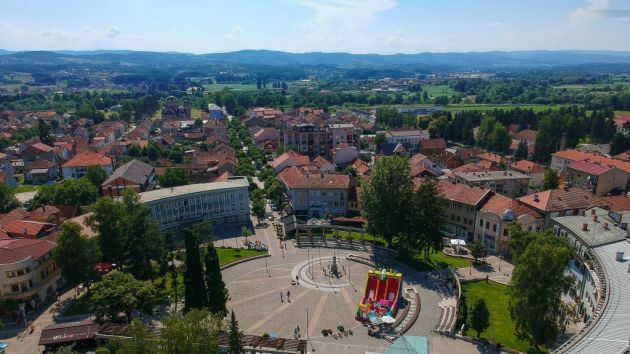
x: 501, y: 326
x: 437, y: 260
x: 439, y: 90
x: 238, y: 87
x: 357, y: 236
x: 229, y: 255
x: 25, y: 188
x: 490, y: 107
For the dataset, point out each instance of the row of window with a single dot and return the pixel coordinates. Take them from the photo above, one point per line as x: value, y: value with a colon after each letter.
x: 18, y: 272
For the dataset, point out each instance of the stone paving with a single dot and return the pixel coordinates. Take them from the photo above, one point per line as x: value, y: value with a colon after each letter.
x: 255, y: 288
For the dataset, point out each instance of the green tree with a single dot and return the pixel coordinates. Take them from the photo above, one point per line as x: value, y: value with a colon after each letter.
x: 217, y: 292
x: 75, y: 192
x: 478, y: 250
x: 379, y: 140
x: 424, y: 219
x: 499, y: 138
x: 198, y: 122
x: 120, y: 292
x: 521, y: 152
x: 194, y: 333
x: 195, y: 292
x: 479, y: 316
x: 551, y: 180
x: 235, y: 336
x: 141, y: 341
x: 547, y: 140
x: 96, y: 175
x: 173, y: 177
x: 538, y: 282
x: 108, y: 220
x: 619, y: 144
x: 142, y: 237
x: 385, y: 197
x: 8, y: 201
x: 246, y: 232
x: 76, y: 255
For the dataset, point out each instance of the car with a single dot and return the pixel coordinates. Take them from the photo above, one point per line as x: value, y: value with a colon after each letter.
x: 274, y: 207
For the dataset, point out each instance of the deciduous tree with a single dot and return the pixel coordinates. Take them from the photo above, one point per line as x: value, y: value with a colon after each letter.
x: 551, y: 180
x: 195, y: 292
x: 76, y: 255
x: 120, y: 292
x: 479, y: 316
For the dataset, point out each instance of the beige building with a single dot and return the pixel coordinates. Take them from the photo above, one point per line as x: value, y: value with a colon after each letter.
x: 599, y: 178
x: 461, y: 205
x: 509, y: 183
x: 27, y: 271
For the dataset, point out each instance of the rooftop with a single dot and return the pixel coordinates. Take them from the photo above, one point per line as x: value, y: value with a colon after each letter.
x: 600, y: 226
x: 527, y: 167
x: 499, y: 204
x: 159, y: 194
x: 562, y: 199
x: 590, y: 167
x: 88, y: 158
x: 491, y: 176
x: 296, y: 178
x: 462, y: 193
x: 576, y: 155
x: 134, y: 170
x: 18, y: 249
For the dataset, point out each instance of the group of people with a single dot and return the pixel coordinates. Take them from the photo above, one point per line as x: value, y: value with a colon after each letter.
x: 288, y: 296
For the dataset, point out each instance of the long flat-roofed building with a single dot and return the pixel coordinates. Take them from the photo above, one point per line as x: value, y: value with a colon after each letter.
x: 511, y: 183
x: 217, y: 202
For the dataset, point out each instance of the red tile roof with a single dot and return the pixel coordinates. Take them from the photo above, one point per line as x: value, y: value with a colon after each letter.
x: 296, y: 178
x: 41, y: 147
x: 525, y: 166
x: 361, y: 167
x: 27, y: 227
x: 529, y: 135
x: 561, y: 199
x: 88, y: 158
x: 490, y: 157
x: 301, y: 160
x: 624, y: 156
x: 18, y: 249
x: 576, y: 155
x: 589, y: 167
x: 462, y: 193
x: 617, y: 203
x: 433, y: 143
x: 40, y: 164
x: 499, y: 203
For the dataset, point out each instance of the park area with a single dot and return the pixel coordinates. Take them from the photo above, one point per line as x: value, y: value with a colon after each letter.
x: 501, y: 327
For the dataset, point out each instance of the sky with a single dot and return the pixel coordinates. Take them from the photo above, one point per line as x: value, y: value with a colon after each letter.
x: 354, y: 26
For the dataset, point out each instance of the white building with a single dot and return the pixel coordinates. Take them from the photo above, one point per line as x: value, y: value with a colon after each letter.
x: 27, y: 271
x: 217, y: 202
x: 77, y: 166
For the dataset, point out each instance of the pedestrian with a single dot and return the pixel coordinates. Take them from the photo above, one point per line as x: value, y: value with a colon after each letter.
x: 281, y: 297
x: 288, y: 296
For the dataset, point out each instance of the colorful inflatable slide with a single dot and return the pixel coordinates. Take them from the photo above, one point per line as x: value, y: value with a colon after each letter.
x: 381, y: 295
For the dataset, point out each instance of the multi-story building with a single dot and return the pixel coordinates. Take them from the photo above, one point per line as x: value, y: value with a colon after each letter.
x: 311, y: 194
x: 535, y: 171
x: 598, y: 178
x: 496, y: 214
x: 134, y: 174
x: 460, y: 209
x: 510, y: 183
x: 561, y: 159
x: 410, y: 136
x: 343, y: 134
x: 218, y: 202
x: 599, y: 239
x: 28, y: 273
x: 77, y: 166
x: 215, y: 112
x: 561, y: 202
x: 308, y: 138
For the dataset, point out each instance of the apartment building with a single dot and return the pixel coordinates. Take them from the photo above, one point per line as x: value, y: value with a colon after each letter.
x: 311, y: 194
x: 217, y: 202
x: 77, y: 166
x: 309, y: 139
x: 598, y: 178
x: 343, y: 134
x: 510, y: 183
x: 461, y: 203
x: 27, y: 271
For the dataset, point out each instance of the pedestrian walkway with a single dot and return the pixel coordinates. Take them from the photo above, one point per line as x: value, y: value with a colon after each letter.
x: 494, y: 269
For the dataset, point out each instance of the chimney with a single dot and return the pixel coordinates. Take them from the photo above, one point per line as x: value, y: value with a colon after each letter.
x: 536, y: 198
x: 619, y: 256
x: 606, y: 225
x: 592, y: 211
x: 585, y: 227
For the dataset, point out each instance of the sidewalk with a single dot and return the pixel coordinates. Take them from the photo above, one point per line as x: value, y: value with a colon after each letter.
x: 495, y: 269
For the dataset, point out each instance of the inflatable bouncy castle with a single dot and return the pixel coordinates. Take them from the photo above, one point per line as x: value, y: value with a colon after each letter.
x: 381, y: 295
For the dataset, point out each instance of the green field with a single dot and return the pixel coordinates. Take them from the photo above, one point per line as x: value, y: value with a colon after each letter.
x: 237, y: 87
x: 437, y: 260
x: 501, y: 326
x: 491, y: 107
x: 439, y: 90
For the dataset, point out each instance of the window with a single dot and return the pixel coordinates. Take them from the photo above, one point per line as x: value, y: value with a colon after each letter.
x: 480, y: 223
x: 494, y: 227
x: 15, y: 288
x: 11, y: 274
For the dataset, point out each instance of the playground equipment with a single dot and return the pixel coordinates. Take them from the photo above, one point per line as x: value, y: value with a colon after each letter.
x: 381, y: 295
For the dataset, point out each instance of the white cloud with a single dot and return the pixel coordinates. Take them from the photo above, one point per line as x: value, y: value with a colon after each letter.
x: 112, y: 32
x: 235, y: 32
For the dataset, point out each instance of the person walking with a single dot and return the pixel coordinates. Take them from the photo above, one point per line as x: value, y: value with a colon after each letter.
x: 281, y: 297
x: 288, y: 296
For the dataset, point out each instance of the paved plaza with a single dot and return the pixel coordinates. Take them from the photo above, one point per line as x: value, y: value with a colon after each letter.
x: 255, y: 287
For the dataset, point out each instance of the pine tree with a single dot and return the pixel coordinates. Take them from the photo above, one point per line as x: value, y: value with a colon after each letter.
x: 217, y: 293
x: 195, y: 294
x: 479, y: 316
x: 235, y: 337
x: 521, y: 151
x: 619, y: 144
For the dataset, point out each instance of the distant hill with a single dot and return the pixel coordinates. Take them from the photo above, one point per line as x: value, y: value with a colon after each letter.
x: 461, y: 61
